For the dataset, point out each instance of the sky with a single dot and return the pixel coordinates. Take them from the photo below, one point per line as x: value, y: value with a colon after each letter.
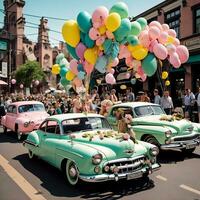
x: 68, y: 9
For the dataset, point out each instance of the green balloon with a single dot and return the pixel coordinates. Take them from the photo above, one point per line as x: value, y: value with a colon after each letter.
x: 135, y: 28
x: 121, y: 8
x: 84, y: 21
x: 72, y: 51
x: 143, y: 22
x: 123, y: 31
x: 88, y: 42
x: 82, y: 37
x: 59, y: 57
x: 64, y: 81
x: 149, y: 64
x: 63, y: 71
x: 132, y: 40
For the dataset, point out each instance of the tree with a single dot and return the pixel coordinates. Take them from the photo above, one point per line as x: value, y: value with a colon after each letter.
x: 28, y: 72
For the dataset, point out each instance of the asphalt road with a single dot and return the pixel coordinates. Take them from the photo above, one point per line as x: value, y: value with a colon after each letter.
x: 178, y: 178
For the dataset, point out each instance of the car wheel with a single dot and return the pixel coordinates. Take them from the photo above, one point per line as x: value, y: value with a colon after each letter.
x: 19, y: 135
x: 31, y: 155
x: 151, y: 140
x: 71, y: 173
x: 4, y: 129
x: 188, y: 151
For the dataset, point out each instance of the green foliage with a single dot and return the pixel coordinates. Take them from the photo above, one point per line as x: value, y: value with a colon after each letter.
x: 28, y: 72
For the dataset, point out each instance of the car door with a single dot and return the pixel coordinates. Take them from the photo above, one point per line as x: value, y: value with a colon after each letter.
x: 11, y: 117
x: 49, y: 139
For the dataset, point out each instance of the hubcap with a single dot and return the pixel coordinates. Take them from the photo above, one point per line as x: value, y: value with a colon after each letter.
x: 19, y: 135
x: 72, y: 172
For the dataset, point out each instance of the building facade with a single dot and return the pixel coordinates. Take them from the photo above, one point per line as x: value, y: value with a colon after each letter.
x: 184, y: 17
x: 16, y: 48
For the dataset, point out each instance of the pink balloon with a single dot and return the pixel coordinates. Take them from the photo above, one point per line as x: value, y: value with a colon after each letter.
x: 140, y: 71
x: 154, y: 32
x: 99, y: 16
x: 144, y: 39
x: 124, y: 52
x: 143, y: 77
x: 13, y: 81
x: 172, y: 33
x: 183, y: 53
x: 110, y: 79
x: 155, y: 24
x: 163, y: 37
x: 160, y: 51
x: 129, y: 61
x: 100, y: 41
x: 88, y: 67
x: 152, y: 44
x: 176, y: 42
x: 110, y: 35
x: 111, y: 70
x: 165, y: 27
x: 174, y: 60
x: 21, y: 86
x: 80, y: 49
x: 94, y: 34
x: 137, y: 64
x: 77, y: 82
x: 114, y: 62
x: 73, y: 66
x: 37, y: 82
x: 171, y: 49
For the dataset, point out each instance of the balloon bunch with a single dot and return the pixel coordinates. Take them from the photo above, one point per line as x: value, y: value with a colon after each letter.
x: 97, y: 42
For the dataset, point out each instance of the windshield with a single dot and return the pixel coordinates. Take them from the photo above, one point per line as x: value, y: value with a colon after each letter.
x: 84, y: 124
x: 31, y: 108
x: 148, y: 110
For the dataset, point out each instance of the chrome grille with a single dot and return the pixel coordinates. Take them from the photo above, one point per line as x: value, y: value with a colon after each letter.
x: 126, y: 165
x: 196, y: 136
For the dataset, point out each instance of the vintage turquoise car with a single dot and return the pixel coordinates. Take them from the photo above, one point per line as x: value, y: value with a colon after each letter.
x: 85, y: 148
x: 151, y: 124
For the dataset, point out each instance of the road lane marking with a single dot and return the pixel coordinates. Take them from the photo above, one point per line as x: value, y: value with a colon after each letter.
x: 28, y: 189
x: 190, y: 189
x: 161, y: 178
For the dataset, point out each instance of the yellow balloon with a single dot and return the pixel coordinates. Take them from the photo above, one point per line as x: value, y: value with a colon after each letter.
x: 167, y: 83
x: 55, y: 69
x: 170, y: 40
x: 90, y: 55
x: 113, y: 21
x: 71, y: 33
x: 102, y: 30
x: 70, y: 76
x: 140, y: 54
x: 164, y: 75
x: 134, y: 48
x: 101, y: 48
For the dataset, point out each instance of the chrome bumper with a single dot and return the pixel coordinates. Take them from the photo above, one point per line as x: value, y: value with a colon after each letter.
x: 116, y: 177
x: 188, y: 144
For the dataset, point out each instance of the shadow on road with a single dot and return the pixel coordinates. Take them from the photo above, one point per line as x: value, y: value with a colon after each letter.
x: 174, y: 156
x: 9, y: 137
x: 53, y: 181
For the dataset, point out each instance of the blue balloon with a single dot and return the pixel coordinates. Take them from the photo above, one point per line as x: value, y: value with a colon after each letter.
x: 106, y: 46
x: 80, y: 67
x: 88, y: 42
x: 72, y: 51
x: 115, y: 49
x: 63, y: 71
x: 82, y: 35
x: 101, y: 64
x: 84, y: 21
x: 81, y: 75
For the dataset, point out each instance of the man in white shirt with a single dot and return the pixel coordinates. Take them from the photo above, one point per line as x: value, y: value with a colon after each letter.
x: 198, y: 104
x: 166, y: 103
x: 189, y: 101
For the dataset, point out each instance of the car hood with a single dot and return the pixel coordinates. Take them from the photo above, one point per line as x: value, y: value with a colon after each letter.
x: 111, y: 147
x: 180, y: 126
x: 34, y: 116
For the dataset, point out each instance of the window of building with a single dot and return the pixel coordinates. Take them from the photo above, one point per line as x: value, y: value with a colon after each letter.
x: 152, y: 19
x: 172, y: 18
x: 196, y: 16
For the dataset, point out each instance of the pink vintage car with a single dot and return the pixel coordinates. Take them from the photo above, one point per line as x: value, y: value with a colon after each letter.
x: 24, y: 116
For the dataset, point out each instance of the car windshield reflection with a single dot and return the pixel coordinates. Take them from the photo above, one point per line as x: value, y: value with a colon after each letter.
x: 141, y: 111
x: 31, y: 108
x: 84, y: 124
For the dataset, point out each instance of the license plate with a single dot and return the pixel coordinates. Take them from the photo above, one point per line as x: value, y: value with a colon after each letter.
x: 190, y: 146
x: 134, y: 175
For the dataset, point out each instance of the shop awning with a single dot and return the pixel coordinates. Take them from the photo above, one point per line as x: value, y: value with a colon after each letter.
x: 194, y: 59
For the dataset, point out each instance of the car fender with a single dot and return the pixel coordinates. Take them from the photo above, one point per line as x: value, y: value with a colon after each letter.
x: 156, y: 131
x: 3, y: 120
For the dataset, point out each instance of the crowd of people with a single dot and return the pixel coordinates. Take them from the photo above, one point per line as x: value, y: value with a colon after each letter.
x: 101, y: 102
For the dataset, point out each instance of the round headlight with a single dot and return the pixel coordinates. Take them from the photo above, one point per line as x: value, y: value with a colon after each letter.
x: 168, y: 134
x: 96, y: 159
x: 26, y: 124
x: 154, y: 151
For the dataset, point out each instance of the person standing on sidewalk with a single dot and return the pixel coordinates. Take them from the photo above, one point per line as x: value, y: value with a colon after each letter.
x: 198, y: 104
x: 166, y: 103
x: 157, y: 98
x: 189, y: 101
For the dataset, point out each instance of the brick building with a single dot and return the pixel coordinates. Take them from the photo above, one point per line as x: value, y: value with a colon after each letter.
x: 16, y: 48
x: 184, y: 17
